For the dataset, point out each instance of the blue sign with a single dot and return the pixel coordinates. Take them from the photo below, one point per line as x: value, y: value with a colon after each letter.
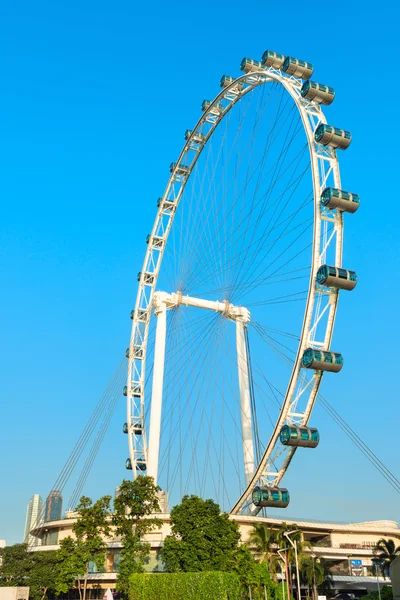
x: 356, y: 563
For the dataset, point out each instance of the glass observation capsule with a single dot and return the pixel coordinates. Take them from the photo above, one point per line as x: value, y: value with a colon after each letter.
x: 272, y: 59
x: 298, y: 68
x: 248, y: 65
x: 327, y: 135
x: 215, y: 110
x: 179, y: 169
x: 166, y: 205
x: 125, y: 390
x: 323, y: 94
x: 148, y: 278
x: 304, y: 437
x: 270, y: 496
x: 225, y: 80
x: 336, y: 277
x: 140, y: 464
x: 125, y: 428
x: 344, y: 201
x: 197, y: 137
x: 128, y: 464
x: 322, y: 360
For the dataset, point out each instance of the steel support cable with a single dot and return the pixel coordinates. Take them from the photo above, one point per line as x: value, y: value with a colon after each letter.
x: 200, y: 233
x: 268, y: 207
x: 223, y: 198
x: 203, y: 348
x: 204, y: 353
x: 360, y: 443
x: 237, y: 198
x: 261, y: 261
x: 94, y: 451
x: 115, y: 395
x: 275, y: 176
x: 357, y: 440
x: 80, y: 445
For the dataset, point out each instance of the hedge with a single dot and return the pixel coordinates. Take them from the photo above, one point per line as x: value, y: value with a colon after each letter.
x: 207, y: 585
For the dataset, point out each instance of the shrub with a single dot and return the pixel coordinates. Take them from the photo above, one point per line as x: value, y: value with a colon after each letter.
x: 206, y: 585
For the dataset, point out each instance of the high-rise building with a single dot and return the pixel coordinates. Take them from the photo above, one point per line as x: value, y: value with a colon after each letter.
x: 34, y: 513
x: 53, y: 510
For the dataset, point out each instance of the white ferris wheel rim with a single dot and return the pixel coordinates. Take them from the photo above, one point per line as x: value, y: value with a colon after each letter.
x: 324, y: 166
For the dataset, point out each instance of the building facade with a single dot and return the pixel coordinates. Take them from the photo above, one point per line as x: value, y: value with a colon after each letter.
x: 347, y: 548
x: 34, y: 513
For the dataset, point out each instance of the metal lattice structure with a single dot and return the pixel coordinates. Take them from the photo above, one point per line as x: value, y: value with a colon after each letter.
x: 320, y: 304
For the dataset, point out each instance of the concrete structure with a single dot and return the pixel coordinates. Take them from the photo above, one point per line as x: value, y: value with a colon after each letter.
x: 347, y: 547
x: 53, y: 510
x: 34, y: 513
x: 14, y: 593
x: 395, y: 577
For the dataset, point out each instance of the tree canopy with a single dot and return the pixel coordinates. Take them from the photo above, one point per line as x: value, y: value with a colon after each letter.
x: 202, y: 538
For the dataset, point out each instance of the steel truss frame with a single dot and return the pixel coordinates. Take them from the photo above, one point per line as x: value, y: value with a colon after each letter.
x: 321, y: 305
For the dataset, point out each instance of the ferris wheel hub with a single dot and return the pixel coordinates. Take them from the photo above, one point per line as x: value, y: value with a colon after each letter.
x: 235, y: 313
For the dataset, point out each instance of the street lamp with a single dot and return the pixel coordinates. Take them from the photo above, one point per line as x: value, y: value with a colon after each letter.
x: 294, y: 545
x: 283, y: 558
x: 377, y: 563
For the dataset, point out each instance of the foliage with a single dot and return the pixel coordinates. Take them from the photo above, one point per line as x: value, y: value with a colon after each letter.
x: 38, y: 570
x: 263, y: 541
x: 254, y: 577
x: 16, y: 565
x: 211, y: 585
x: 203, y: 538
x: 43, y: 575
x: 386, y: 594
x: 385, y: 552
x: 136, y: 502
x: 90, y: 529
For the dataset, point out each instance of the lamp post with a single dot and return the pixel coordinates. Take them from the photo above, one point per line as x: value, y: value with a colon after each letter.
x: 283, y: 558
x: 294, y: 545
x: 376, y: 564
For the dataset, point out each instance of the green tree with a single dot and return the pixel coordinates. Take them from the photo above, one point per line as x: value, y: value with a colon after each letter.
x: 263, y: 542
x: 312, y: 574
x: 136, y: 502
x: 91, y: 528
x: 255, y: 579
x: 202, y: 538
x: 44, y: 574
x: 16, y: 565
x: 386, y: 594
x: 386, y: 551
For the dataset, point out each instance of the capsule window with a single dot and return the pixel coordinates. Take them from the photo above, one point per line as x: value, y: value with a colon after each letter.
x: 347, y: 135
x: 342, y: 273
x: 332, y: 271
x: 353, y: 276
x: 303, y: 433
x: 328, y: 357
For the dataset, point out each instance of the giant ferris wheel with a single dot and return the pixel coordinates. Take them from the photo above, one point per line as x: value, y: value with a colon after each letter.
x: 238, y: 293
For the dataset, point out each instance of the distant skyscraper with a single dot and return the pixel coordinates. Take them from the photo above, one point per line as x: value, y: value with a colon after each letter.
x: 53, y: 506
x: 33, y: 514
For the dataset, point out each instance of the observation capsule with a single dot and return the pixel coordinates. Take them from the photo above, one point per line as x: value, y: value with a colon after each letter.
x: 127, y: 353
x: 332, y: 136
x: 155, y: 240
x: 322, y: 360
x: 125, y: 428
x: 147, y: 278
x: 215, y: 110
x: 125, y: 390
x: 137, y: 352
x: 167, y: 205
x: 137, y: 429
x: 225, y: 81
x: 344, y: 201
x: 298, y: 68
x: 304, y: 437
x: 248, y: 65
x: 197, y: 137
x: 128, y: 464
x: 336, y: 277
x: 270, y: 496
x: 323, y: 94
x: 179, y: 169
x: 141, y: 314
x: 272, y: 59
x: 141, y: 464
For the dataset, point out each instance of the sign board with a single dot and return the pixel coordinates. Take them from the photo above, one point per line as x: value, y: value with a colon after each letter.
x: 356, y: 567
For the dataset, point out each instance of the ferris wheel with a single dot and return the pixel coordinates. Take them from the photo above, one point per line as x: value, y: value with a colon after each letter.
x: 238, y: 293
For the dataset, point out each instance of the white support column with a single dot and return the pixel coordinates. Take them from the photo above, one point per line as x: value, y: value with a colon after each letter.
x: 157, y: 390
x: 245, y: 407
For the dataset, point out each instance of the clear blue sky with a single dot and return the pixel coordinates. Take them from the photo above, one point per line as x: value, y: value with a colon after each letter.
x: 94, y: 99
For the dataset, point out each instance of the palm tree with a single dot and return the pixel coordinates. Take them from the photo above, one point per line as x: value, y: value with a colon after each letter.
x: 312, y: 573
x: 283, y: 541
x: 262, y: 540
x: 386, y: 551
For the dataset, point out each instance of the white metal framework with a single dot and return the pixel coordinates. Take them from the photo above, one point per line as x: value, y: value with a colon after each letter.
x: 319, y: 312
